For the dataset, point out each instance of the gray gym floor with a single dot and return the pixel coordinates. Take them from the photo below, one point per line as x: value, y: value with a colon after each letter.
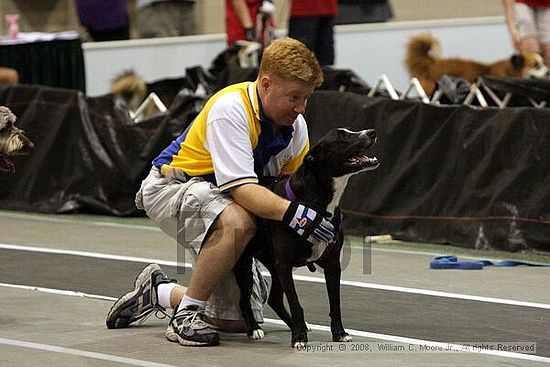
x: 59, y: 275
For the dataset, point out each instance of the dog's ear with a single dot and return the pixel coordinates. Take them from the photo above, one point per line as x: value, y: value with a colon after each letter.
x: 7, y: 118
x: 517, y: 61
x: 310, y: 160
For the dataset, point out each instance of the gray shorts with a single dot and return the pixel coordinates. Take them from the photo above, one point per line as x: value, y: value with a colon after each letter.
x: 185, y: 210
x: 166, y: 19
x: 532, y: 22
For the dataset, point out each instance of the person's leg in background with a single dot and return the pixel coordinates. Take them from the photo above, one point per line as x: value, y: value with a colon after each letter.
x: 166, y: 19
x: 543, y: 26
x: 325, y: 41
x: 305, y: 29
x: 524, y: 17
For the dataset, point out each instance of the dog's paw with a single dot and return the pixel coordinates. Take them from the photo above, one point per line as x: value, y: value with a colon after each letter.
x: 343, y: 338
x: 257, y: 334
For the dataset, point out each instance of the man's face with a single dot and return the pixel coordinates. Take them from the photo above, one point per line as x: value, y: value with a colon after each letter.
x: 284, y: 100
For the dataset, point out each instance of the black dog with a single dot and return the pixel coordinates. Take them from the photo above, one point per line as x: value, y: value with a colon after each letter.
x: 319, y: 184
x: 12, y: 140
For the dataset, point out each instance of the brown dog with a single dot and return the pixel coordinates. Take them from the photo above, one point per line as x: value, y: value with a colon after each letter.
x: 423, y: 61
x: 134, y: 90
x: 131, y: 87
x: 12, y: 140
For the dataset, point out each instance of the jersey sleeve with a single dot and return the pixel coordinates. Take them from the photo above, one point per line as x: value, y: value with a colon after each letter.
x: 228, y: 141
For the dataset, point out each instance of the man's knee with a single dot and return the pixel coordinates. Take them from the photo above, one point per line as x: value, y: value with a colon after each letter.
x: 546, y: 54
x: 238, y: 220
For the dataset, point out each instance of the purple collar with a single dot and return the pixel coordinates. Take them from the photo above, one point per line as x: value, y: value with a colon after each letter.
x: 288, y: 190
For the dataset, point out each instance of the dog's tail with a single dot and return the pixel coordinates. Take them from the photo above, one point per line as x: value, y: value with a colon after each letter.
x: 131, y: 87
x: 422, y: 51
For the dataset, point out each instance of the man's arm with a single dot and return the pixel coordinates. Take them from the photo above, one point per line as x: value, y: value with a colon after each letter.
x: 243, y: 13
x: 260, y: 201
x: 304, y: 221
x: 512, y: 29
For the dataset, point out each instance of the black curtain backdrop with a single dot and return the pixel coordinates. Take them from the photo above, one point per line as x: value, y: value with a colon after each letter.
x: 57, y: 63
x: 449, y: 174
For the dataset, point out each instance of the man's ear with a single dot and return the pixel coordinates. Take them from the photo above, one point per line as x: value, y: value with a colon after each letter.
x: 264, y: 82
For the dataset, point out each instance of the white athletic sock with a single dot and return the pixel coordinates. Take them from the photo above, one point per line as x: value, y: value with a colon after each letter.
x: 163, y: 293
x: 187, y: 301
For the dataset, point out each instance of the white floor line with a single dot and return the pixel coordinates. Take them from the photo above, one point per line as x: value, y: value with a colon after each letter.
x: 60, y: 292
x: 352, y: 332
x: 427, y: 292
x: 51, y: 219
x: 96, y: 255
x: 304, y: 278
x: 81, y: 353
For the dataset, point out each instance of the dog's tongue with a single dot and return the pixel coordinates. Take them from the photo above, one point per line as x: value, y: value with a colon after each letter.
x: 6, y: 164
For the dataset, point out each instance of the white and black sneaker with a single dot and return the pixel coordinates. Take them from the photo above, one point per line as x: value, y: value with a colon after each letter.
x: 141, y: 302
x: 188, y: 327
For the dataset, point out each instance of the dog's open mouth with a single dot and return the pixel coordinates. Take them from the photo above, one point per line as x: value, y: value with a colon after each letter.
x: 6, y: 164
x: 359, y: 162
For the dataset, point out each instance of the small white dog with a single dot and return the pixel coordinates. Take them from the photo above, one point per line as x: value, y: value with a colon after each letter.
x: 12, y: 140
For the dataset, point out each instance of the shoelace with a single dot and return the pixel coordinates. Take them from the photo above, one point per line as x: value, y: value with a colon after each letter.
x: 190, y: 318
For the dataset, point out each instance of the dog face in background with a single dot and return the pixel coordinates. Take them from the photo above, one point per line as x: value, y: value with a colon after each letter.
x: 531, y: 65
x: 12, y: 140
x: 131, y: 87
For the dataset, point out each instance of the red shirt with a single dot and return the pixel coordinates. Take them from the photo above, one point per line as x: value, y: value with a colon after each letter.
x: 535, y: 3
x: 233, y: 27
x: 313, y: 8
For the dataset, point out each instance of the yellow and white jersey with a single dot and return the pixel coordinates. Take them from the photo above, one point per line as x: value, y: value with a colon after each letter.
x: 231, y: 143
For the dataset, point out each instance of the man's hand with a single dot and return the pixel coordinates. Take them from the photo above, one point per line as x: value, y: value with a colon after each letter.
x: 311, y: 226
x: 250, y: 34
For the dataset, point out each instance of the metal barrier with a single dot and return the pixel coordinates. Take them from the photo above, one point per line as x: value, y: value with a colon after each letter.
x: 485, y: 92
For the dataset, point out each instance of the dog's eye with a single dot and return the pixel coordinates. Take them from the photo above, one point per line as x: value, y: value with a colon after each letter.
x: 341, y: 133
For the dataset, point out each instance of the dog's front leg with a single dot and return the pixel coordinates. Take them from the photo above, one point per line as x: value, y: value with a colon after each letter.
x: 299, y: 331
x: 332, y: 269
